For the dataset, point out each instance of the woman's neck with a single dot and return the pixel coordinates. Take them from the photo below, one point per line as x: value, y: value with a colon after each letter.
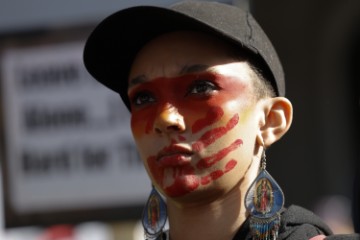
x: 211, y: 220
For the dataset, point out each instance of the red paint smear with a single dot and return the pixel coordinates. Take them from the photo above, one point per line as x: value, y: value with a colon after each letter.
x: 209, y: 161
x: 185, y: 180
x: 205, y: 180
x: 150, y: 124
x: 230, y: 165
x: 172, y: 91
x: 212, y: 135
x: 172, y: 147
x: 182, y: 186
x: 211, y: 177
x: 181, y: 138
x: 155, y: 169
x: 167, y: 90
x: 212, y: 116
x: 218, y: 173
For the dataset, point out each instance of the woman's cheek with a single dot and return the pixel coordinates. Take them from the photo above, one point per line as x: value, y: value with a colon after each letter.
x: 136, y: 127
x: 210, y: 117
x: 142, y: 122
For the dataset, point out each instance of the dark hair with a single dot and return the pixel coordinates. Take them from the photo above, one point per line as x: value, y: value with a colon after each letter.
x: 263, y: 83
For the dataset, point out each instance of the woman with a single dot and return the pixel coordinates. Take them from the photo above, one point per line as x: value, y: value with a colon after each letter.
x: 205, y: 89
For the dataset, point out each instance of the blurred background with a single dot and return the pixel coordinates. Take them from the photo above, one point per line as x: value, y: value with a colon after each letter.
x: 69, y: 167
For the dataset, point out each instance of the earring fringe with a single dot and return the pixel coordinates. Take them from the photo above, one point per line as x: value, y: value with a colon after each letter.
x: 264, y: 201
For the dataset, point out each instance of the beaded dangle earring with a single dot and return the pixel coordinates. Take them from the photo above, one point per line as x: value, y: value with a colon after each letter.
x: 154, y: 216
x: 264, y: 201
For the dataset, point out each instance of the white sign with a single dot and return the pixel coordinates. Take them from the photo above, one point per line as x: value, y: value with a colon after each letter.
x: 68, y: 140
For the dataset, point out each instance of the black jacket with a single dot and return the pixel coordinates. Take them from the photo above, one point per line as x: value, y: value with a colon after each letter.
x: 297, y: 223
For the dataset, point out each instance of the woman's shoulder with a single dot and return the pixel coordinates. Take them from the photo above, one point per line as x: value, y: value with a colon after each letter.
x: 343, y: 237
x: 299, y: 223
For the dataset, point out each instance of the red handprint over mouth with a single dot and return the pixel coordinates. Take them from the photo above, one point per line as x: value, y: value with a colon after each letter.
x: 178, y: 159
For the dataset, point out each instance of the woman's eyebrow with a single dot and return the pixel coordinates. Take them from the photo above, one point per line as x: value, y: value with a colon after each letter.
x: 185, y: 70
x: 194, y: 68
x: 137, y: 80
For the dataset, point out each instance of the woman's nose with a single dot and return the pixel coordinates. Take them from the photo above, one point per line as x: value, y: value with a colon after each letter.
x: 169, y: 120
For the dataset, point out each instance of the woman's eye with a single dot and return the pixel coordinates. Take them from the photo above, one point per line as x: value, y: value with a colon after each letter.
x: 202, y: 87
x: 142, y: 98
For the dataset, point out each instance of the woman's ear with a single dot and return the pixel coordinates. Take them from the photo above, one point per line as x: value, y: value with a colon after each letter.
x: 276, y: 120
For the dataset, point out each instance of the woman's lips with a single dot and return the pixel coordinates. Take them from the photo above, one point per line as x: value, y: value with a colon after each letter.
x: 174, y: 156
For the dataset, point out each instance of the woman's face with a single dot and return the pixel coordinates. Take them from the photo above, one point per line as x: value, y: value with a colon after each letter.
x: 193, y: 115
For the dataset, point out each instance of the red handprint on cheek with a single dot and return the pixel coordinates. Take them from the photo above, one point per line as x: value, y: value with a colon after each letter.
x: 212, y: 135
x: 218, y: 173
x: 186, y: 178
x: 209, y: 161
x: 212, y: 116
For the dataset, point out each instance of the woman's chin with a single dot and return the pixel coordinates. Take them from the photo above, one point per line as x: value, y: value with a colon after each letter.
x: 181, y: 185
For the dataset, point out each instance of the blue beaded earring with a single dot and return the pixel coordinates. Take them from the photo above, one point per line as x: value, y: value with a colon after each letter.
x: 264, y: 201
x: 154, y: 216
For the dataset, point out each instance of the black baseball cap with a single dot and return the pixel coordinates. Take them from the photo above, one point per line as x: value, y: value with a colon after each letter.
x: 112, y: 46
